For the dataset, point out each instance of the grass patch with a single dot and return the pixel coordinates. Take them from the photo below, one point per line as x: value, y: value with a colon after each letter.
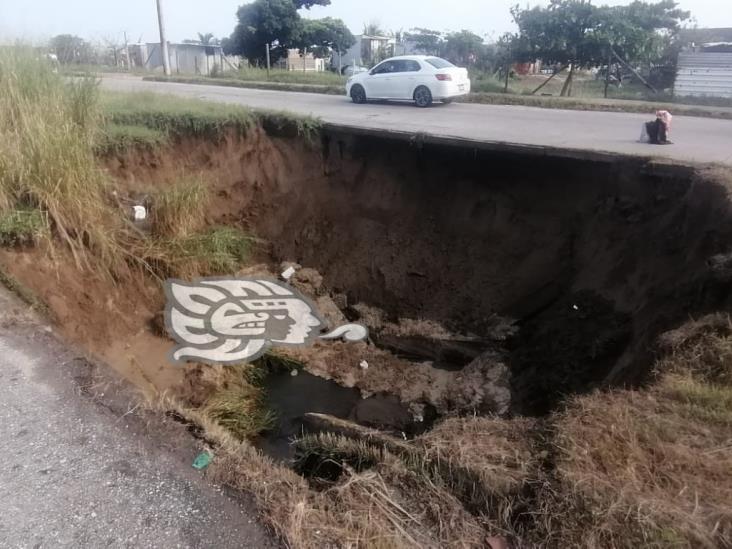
x: 179, y: 117
x: 252, y: 74
x: 176, y: 116
x: 179, y: 211
x: 238, y: 405
x: 230, y: 399
x: 329, y: 89
x: 22, y: 227
x: 117, y: 138
x: 217, y: 251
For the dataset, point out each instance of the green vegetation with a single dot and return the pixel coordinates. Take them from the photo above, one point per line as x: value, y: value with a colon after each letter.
x: 117, y: 138
x: 21, y: 227
x: 48, y: 128
x: 253, y: 74
x: 175, y: 116
x: 329, y: 89
x: 179, y: 210
x: 148, y: 120
x: 237, y: 404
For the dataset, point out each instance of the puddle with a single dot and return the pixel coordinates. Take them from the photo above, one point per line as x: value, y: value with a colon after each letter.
x: 291, y: 397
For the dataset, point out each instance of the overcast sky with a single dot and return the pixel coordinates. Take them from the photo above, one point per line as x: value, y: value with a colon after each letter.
x: 36, y: 20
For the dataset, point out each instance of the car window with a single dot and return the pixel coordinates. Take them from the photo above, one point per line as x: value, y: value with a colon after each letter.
x: 385, y: 67
x: 412, y: 66
x: 439, y: 63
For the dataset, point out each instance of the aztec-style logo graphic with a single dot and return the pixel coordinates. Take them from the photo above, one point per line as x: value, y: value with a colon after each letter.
x: 225, y: 321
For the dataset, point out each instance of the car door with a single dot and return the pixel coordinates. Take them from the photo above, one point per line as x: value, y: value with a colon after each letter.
x: 411, y: 78
x: 379, y: 80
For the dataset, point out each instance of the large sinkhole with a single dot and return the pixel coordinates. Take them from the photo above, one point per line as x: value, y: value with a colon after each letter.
x: 567, y: 267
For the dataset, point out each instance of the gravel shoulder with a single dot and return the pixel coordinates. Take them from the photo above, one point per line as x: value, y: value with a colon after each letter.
x: 84, y: 466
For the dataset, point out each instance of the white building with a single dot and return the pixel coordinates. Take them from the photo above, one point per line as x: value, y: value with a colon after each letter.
x: 366, y: 52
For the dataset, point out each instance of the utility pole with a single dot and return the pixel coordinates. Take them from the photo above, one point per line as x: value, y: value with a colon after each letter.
x: 163, y: 41
x: 268, y: 61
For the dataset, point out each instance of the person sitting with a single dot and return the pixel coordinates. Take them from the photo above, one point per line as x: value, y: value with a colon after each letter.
x: 657, y: 132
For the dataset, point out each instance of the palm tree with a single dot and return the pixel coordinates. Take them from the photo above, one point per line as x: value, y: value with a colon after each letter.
x: 207, y: 39
x: 373, y: 29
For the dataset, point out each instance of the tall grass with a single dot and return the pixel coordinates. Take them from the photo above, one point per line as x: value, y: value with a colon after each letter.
x: 47, y: 133
x: 179, y: 211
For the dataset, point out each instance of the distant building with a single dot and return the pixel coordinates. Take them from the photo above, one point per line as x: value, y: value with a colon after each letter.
x: 704, y: 66
x: 296, y: 61
x: 184, y: 58
x: 366, y: 52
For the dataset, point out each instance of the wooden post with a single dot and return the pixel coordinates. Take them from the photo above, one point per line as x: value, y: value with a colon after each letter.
x: 567, y: 88
x: 545, y: 82
x: 631, y: 69
x: 508, y: 73
x: 607, y: 75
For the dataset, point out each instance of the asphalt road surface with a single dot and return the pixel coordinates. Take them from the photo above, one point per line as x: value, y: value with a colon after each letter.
x: 695, y: 139
x: 81, y: 467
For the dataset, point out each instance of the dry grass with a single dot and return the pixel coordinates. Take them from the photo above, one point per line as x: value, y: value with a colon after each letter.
x: 642, y: 468
x: 651, y: 468
x: 179, y: 211
x: 47, y: 132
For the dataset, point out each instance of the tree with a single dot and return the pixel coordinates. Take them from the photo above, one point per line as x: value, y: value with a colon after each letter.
x: 325, y: 35
x: 578, y: 34
x: 207, y: 39
x: 72, y: 49
x: 373, y: 28
x: 265, y: 23
x: 463, y: 48
x: 204, y: 40
x: 425, y: 41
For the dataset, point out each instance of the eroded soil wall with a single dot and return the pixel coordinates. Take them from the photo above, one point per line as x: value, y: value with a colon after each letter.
x: 591, y: 258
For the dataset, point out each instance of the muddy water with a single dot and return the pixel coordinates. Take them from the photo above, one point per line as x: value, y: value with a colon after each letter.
x: 291, y: 397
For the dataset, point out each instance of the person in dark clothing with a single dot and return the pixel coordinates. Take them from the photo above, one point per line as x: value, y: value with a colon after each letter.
x: 658, y: 129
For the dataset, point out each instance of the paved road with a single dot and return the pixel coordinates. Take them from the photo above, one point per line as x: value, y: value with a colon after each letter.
x: 696, y: 139
x: 80, y: 469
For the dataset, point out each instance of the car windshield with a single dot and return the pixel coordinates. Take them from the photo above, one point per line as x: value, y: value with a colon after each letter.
x: 439, y: 63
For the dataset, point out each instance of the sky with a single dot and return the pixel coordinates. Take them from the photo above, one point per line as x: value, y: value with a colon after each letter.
x: 98, y: 20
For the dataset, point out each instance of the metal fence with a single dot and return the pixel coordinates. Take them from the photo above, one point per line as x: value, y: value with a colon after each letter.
x: 704, y: 74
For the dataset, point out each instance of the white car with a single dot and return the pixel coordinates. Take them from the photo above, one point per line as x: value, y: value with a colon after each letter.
x: 419, y: 78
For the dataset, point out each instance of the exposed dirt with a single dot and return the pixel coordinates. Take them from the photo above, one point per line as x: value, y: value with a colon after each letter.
x: 561, y: 271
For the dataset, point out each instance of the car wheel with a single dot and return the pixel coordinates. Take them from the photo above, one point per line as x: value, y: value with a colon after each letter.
x: 423, y: 97
x: 358, y: 94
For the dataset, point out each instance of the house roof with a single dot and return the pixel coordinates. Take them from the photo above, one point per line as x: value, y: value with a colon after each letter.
x: 705, y: 36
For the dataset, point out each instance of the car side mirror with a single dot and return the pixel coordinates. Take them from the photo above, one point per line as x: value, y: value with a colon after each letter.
x: 371, y: 72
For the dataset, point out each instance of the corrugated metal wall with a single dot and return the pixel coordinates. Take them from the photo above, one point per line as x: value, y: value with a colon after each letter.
x: 704, y: 74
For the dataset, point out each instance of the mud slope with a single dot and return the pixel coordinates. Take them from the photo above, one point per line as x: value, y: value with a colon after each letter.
x: 591, y: 258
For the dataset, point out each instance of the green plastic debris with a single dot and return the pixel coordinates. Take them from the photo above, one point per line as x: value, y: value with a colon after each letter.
x: 202, y: 461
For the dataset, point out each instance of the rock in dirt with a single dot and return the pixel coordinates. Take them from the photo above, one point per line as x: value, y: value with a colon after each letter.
x: 484, y: 384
